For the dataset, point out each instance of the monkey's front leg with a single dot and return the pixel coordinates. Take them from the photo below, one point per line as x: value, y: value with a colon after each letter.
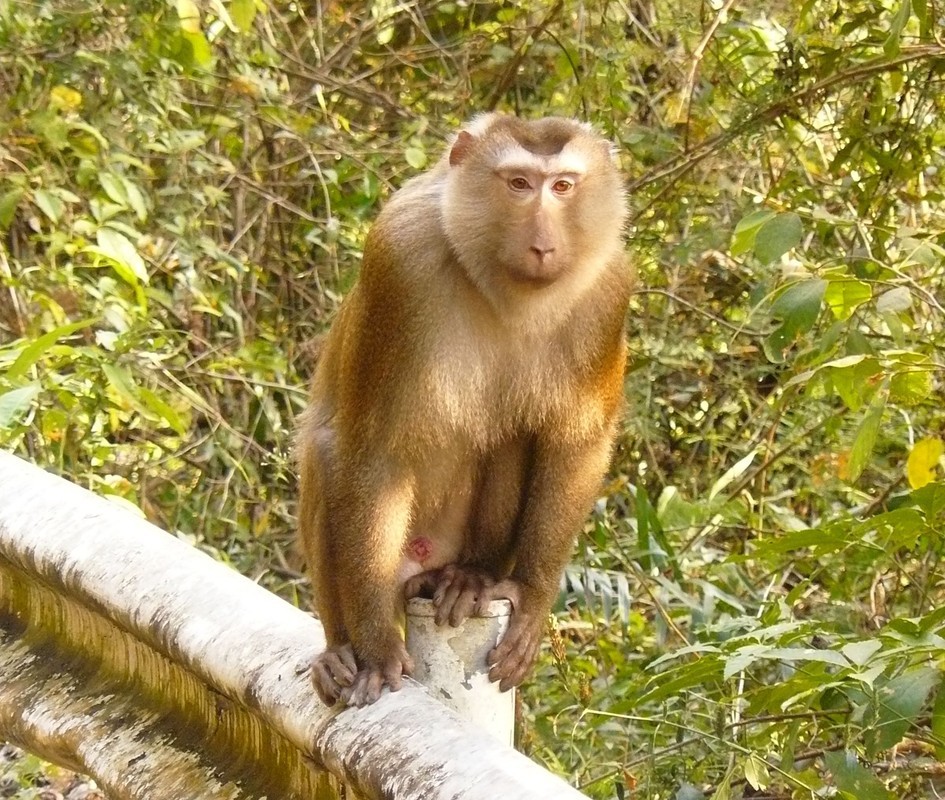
x: 565, y: 478
x: 370, y: 516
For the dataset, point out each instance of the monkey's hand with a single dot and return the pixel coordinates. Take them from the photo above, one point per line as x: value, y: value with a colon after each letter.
x: 457, y: 592
x: 366, y: 686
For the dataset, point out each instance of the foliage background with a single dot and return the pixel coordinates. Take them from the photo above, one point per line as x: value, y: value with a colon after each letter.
x: 755, y: 606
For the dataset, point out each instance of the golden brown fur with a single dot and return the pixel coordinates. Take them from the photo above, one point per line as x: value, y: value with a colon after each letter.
x: 466, y: 397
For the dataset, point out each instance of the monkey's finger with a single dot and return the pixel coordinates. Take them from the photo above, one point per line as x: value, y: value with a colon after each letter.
x: 394, y: 678
x: 342, y: 672
x: 466, y: 603
x: 424, y: 584
x: 507, y: 589
x: 326, y: 688
x: 444, y: 609
x: 512, y: 670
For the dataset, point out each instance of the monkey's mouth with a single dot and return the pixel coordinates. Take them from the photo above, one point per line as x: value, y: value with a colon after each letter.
x: 534, y: 279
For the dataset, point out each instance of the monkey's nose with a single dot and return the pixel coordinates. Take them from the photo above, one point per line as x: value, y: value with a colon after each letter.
x: 541, y: 252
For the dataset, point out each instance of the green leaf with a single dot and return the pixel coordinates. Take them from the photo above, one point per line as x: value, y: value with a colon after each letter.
x: 34, y: 351
x: 845, y: 296
x: 910, y: 386
x: 743, y: 238
x: 243, y: 12
x: 798, y: 306
x: 931, y: 499
x: 416, y: 157
x: 854, y: 781
x: 777, y: 236
x: 756, y: 771
x: 733, y: 472
x: 900, y: 702
x: 865, y: 439
x: 125, y: 387
x: 855, y: 383
x: 859, y: 653
x: 135, y: 199
x: 163, y: 410
x: 118, y: 249
x: 14, y: 404
x: 938, y: 725
x: 8, y: 203
x: 49, y: 204
x: 113, y: 188
x: 892, y: 44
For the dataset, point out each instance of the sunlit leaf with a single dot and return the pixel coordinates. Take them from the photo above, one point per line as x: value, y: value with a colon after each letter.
x: 843, y: 297
x: 49, y: 204
x: 922, y: 461
x: 859, y: 653
x: 416, y: 157
x: 119, y: 249
x: 65, y: 98
x: 35, y: 349
x: 910, y: 386
x: 15, y: 403
x: 243, y: 12
x: 756, y: 771
x: 893, y: 42
x: 189, y: 15
x: 113, y: 188
x: 854, y: 383
x: 135, y: 199
x: 733, y: 472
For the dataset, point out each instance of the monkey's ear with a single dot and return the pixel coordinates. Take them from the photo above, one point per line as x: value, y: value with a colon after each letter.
x: 461, y: 148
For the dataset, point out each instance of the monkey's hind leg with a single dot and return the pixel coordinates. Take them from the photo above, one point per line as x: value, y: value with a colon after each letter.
x: 334, y: 668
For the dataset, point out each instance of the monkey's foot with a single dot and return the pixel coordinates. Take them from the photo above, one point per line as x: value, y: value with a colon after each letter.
x: 370, y: 680
x: 332, y: 671
x: 510, y: 659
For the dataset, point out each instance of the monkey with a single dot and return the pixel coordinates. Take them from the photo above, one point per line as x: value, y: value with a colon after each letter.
x: 466, y: 399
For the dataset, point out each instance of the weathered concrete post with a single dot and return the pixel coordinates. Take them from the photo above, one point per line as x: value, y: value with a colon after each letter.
x: 451, y: 663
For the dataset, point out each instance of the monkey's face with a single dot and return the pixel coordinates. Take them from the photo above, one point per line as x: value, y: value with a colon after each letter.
x: 534, y: 246
x: 528, y: 205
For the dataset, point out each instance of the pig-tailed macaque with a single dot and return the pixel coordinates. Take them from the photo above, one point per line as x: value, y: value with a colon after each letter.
x: 466, y: 398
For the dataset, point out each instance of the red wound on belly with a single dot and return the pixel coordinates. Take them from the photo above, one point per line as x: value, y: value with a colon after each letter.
x: 419, y: 549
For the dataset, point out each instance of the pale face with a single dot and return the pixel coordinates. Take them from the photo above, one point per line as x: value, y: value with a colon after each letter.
x: 534, y: 210
x: 538, y: 192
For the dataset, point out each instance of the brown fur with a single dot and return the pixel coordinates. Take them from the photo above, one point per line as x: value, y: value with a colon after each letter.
x: 468, y: 393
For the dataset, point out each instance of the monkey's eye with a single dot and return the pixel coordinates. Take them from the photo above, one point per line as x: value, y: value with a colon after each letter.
x: 562, y: 186
x: 519, y: 184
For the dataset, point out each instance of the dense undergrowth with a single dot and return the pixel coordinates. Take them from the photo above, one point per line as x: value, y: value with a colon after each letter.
x: 756, y: 606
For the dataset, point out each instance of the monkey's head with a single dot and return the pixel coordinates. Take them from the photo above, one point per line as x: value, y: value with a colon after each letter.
x: 532, y: 203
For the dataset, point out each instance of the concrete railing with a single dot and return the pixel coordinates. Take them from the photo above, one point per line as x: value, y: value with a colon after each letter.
x: 127, y: 654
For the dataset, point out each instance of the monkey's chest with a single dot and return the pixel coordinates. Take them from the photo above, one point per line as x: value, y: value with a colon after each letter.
x: 481, y: 398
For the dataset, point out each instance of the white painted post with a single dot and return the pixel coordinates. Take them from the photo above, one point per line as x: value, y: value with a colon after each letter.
x: 451, y: 663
